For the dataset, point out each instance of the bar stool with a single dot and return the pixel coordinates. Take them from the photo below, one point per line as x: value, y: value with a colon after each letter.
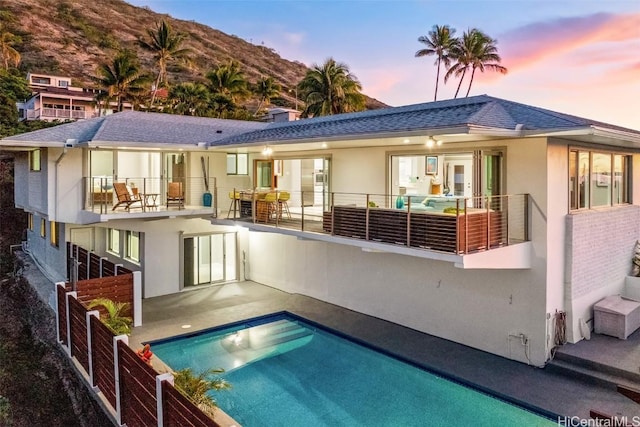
x: 283, y: 198
x: 235, y: 203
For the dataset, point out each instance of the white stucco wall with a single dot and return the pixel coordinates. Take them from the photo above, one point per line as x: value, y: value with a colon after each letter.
x: 53, y: 260
x: 479, y: 308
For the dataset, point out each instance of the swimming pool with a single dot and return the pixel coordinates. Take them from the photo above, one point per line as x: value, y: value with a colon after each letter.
x: 288, y: 372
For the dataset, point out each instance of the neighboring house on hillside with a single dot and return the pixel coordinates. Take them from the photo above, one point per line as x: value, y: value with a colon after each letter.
x: 53, y: 98
x: 472, y: 219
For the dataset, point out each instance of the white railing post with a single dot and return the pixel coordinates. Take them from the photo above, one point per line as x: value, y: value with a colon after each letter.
x: 137, y: 298
x: 159, y: 409
x: 68, y: 296
x: 102, y: 260
x: 116, y: 372
x: 58, y: 284
x: 94, y: 313
x: 115, y: 269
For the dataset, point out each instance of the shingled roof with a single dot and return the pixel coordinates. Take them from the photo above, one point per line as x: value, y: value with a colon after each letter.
x: 139, y: 127
x: 474, y: 112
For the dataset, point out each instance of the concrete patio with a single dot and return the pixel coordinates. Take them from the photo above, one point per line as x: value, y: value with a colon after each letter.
x: 556, y: 390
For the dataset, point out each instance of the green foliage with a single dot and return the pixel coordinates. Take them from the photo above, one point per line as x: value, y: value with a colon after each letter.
x: 450, y: 210
x: 191, y: 99
x: 74, y: 18
x: 114, y: 320
x: 228, y: 80
x: 330, y: 89
x: 121, y: 79
x: 439, y: 42
x: 198, y: 387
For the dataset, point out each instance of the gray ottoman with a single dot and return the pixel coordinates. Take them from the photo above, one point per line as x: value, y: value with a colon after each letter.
x: 616, y: 316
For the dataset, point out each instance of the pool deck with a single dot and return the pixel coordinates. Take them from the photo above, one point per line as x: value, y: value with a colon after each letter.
x: 553, y: 389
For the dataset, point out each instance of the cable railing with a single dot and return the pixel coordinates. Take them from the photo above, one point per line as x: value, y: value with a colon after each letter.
x: 458, y: 225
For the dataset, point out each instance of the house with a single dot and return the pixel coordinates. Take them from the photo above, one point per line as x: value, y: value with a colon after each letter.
x: 54, y: 98
x: 479, y: 220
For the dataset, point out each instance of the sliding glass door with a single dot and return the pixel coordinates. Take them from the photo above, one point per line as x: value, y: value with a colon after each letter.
x: 209, y: 259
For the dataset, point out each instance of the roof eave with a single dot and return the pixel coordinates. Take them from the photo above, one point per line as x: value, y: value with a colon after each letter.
x: 147, y: 145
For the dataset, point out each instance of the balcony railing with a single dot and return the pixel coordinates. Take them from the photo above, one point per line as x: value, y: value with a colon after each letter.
x: 446, y: 224
x: 56, y: 113
x: 100, y: 196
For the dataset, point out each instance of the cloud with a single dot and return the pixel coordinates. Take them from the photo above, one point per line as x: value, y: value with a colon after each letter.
x: 536, y: 42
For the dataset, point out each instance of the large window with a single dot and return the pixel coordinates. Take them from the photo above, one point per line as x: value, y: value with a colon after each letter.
x: 113, y: 241
x: 133, y: 246
x: 237, y: 164
x: 598, y: 179
x: 34, y: 160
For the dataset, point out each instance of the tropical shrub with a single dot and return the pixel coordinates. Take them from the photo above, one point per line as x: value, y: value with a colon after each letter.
x: 114, y: 320
x: 197, y: 387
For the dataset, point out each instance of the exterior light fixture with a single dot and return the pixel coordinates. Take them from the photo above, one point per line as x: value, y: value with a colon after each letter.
x: 438, y: 143
x: 406, y: 141
x: 267, y: 151
x: 324, y: 145
x: 430, y: 142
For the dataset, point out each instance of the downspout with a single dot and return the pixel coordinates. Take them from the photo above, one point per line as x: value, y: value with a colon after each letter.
x: 55, y: 200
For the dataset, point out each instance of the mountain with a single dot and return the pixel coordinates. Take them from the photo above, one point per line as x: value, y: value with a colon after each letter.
x: 72, y: 37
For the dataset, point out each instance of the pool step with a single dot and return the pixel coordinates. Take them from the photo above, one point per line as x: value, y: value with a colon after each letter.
x: 268, y: 340
x: 593, y: 372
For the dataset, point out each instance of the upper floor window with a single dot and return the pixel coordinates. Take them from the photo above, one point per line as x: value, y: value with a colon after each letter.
x: 40, y: 80
x: 598, y: 179
x: 34, y: 160
x: 237, y: 164
x: 63, y: 83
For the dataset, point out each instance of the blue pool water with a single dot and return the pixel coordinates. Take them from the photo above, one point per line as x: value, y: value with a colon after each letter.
x: 289, y: 373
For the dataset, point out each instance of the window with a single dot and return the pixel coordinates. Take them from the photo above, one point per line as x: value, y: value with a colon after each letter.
x: 43, y: 228
x: 133, y: 246
x: 237, y: 164
x: 34, y: 160
x: 30, y: 221
x: 54, y: 234
x: 41, y: 80
x: 598, y: 179
x: 113, y: 241
x: 63, y: 83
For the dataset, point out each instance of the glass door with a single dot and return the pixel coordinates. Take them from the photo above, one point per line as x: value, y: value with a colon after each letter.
x: 264, y: 174
x: 209, y: 259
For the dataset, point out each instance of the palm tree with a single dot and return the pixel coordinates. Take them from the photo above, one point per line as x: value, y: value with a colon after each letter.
x: 166, y: 46
x: 114, y: 320
x: 7, y: 42
x: 266, y: 88
x: 121, y: 78
x: 440, y: 42
x: 462, y: 55
x: 228, y: 80
x: 485, y: 56
x: 190, y: 99
x: 330, y: 89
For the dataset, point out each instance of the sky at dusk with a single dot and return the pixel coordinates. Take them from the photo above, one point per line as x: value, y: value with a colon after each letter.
x: 579, y: 57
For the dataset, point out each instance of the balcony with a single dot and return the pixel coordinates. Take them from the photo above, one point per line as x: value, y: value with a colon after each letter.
x: 466, y: 231
x: 148, y: 199
x: 56, y: 114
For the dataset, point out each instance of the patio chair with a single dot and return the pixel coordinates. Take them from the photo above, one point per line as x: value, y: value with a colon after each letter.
x: 126, y: 196
x: 175, y: 195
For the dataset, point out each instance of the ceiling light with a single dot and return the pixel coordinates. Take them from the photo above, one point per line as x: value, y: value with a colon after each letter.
x: 267, y: 150
x: 406, y: 141
x: 430, y: 142
x: 438, y: 143
x: 324, y: 145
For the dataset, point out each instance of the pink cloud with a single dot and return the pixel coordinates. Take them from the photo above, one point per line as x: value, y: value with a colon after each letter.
x: 524, y: 46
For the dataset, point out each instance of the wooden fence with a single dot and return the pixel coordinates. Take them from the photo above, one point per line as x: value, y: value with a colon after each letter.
x: 137, y: 393
x: 92, y: 265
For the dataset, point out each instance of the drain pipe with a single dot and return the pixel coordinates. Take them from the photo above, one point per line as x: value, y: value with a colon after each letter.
x: 55, y: 200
